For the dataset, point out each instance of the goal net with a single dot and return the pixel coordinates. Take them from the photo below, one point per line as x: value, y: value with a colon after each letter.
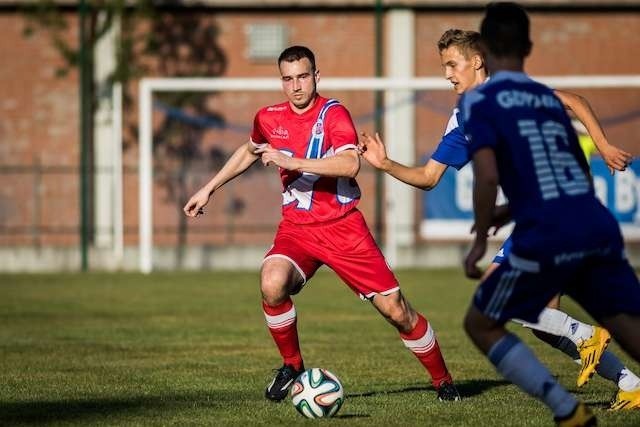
x: 180, y: 147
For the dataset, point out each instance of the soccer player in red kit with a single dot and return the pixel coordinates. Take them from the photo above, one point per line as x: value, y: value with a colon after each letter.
x: 313, y: 142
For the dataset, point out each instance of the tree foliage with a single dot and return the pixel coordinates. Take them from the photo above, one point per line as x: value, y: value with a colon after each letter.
x: 153, y: 40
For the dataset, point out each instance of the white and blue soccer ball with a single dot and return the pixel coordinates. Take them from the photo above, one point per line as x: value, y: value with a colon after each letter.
x: 317, y: 393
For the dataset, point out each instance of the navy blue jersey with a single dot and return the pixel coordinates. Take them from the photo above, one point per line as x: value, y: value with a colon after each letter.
x: 453, y: 149
x: 541, y: 167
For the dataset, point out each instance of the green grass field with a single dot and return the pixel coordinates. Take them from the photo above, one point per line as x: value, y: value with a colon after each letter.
x: 193, y: 349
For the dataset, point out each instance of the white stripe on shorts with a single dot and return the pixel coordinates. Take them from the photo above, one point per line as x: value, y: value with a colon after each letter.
x: 297, y: 267
x: 502, y: 293
x: 370, y: 295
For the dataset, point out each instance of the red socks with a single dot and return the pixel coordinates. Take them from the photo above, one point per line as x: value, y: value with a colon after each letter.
x: 422, y: 342
x: 282, y: 323
x: 281, y: 320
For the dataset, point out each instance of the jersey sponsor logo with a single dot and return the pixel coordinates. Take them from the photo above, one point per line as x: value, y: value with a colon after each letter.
x: 318, y: 128
x: 519, y: 98
x: 567, y: 257
x: 280, y: 108
x: 280, y: 133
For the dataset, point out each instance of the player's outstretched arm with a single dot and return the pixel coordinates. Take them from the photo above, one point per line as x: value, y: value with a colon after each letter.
x: 239, y: 162
x: 424, y: 177
x: 615, y: 158
x: 344, y: 164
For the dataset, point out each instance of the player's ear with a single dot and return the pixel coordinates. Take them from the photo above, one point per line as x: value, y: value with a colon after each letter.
x: 477, y: 61
x: 316, y: 76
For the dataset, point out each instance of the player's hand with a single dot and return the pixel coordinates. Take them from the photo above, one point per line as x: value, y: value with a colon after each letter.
x: 373, y: 150
x: 271, y: 156
x: 197, y: 202
x: 475, y: 254
x: 615, y: 158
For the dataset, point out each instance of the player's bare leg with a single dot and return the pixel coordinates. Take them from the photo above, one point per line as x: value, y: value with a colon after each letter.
x: 419, y: 337
x: 279, y: 280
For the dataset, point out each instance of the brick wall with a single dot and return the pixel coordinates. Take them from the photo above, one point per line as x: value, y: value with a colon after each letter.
x: 38, y: 126
x: 39, y: 113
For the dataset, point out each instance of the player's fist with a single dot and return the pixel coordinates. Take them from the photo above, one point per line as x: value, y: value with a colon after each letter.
x: 196, y: 203
x: 615, y: 158
x: 475, y: 254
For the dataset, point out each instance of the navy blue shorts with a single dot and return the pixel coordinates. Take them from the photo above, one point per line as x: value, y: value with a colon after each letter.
x: 601, y: 281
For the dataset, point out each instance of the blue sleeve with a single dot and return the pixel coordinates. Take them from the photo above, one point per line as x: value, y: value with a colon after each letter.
x: 478, y: 123
x: 453, y: 149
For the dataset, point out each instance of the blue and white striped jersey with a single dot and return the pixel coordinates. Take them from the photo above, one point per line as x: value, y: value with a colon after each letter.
x: 540, y: 162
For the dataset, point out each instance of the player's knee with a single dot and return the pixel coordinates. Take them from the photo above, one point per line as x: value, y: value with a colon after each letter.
x: 273, y: 299
x: 467, y: 325
x: 483, y: 330
x: 273, y: 286
x: 396, y: 310
x: 471, y: 323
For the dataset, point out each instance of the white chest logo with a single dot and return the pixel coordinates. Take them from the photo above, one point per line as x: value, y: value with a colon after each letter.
x: 280, y: 133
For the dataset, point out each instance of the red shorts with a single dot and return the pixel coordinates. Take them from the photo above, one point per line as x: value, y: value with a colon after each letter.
x: 345, y: 245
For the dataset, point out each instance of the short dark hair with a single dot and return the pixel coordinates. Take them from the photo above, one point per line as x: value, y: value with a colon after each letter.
x: 296, y: 53
x: 505, y: 30
x: 468, y: 42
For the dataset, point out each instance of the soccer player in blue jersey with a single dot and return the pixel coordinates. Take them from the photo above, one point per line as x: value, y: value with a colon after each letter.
x: 464, y: 66
x: 521, y: 138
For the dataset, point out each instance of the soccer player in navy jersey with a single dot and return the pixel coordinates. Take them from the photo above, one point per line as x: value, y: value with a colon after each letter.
x: 464, y: 66
x: 522, y: 139
x: 312, y: 140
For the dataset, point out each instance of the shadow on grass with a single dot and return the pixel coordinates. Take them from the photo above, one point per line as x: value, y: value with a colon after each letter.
x: 466, y: 388
x: 42, y: 411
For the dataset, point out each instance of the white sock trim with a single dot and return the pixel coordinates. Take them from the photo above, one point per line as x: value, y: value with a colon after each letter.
x: 628, y: 381
x: 281, y: 320
x: 423, y: 344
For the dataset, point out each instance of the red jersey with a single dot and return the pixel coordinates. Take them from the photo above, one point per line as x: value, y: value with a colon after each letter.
x: 323, y: 131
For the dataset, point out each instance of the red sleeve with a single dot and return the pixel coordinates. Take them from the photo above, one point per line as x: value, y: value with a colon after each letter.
x: 342, y: 132
x: 257, y: 137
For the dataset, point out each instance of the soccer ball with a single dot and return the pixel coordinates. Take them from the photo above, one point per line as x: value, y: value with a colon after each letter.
x: 317, y: 393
